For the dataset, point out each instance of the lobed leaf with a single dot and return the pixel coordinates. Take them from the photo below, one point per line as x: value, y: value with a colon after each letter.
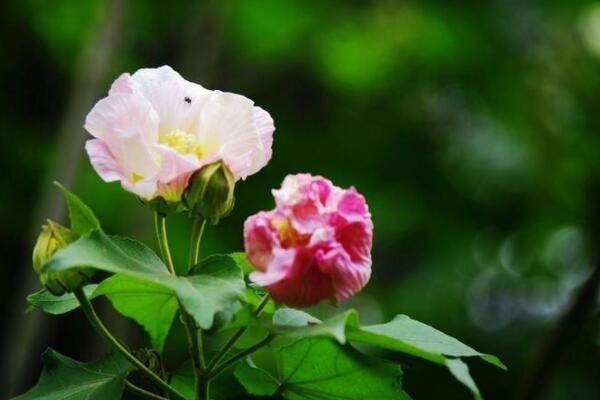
x: 64, y: 378
x: 214, y: 285
x: 319, y: 368
x: 151, y: 305
x: 402, y: 334
x: 223, y: 387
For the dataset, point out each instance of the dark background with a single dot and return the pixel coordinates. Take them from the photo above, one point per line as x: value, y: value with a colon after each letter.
x: 472, y: 128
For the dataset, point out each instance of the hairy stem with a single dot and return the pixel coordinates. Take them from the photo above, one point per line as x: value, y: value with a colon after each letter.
x: 90, y: 313
x: 235, y: 337
x: 142, y: 392
x: 193, y: 335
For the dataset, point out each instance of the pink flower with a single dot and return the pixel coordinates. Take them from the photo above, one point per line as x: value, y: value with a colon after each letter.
x: 315, y: 245
x: 155, y: 129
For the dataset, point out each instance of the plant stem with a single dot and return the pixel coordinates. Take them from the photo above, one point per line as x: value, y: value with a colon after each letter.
x: 91, y: 315
x: 160, y: 225
x: 236, y: 336
x: 230, y: 361
x: 142, y: 392
x: 195, y: 335
x: 203, y: 388
x: 192, y: 333
x: 196, y: 237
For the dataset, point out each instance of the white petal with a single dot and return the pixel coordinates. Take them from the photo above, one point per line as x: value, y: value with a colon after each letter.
x: 228, y: 125
x: 176, y: 100
x: 129, y: 126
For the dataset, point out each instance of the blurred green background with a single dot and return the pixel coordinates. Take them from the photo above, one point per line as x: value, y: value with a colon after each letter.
x: 472, y: 128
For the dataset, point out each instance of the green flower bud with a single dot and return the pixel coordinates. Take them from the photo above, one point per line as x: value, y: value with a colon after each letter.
x: 53, y: 238
x: 210, y: 192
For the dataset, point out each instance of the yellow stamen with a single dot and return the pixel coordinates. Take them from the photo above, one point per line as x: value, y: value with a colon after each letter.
x: 136, y: 178
x: 287, y: 234
x: 182, y: 142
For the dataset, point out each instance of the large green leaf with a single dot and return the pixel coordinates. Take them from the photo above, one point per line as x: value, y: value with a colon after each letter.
x: 295, y: 324
x: 223, y: 387
x: 216, y: 284
x: 319, y: 368
x: 212, y: 286
x: 64, y: 378
x: 409, y: 336
x: 111, y: 254
x: 47, y: 302
x: 402, y: 334
x: 151, y: 305
x: 81, y: 216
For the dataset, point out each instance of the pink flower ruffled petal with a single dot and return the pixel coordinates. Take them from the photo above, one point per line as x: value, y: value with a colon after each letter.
x: 316, y: 244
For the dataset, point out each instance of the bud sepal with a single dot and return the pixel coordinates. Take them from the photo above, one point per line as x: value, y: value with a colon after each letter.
x: 53, y: 238
x: 210, y: 193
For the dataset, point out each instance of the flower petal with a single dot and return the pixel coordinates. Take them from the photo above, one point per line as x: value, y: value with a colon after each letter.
x: 177, y: 101
x: 174, y: 173
x: 228, y: 127
x: 103, y: 161
x: 128, y: 125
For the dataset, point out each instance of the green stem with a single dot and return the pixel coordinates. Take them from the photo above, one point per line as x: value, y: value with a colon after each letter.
x: 192, y: 333
x: 203, y: 388
x: 235, y: 337
x: 232, y: 360
x: 142, y: 392
x: 196, y: 237
x: 160, y: 225
x: 91, y: 315
x: 195, y: 336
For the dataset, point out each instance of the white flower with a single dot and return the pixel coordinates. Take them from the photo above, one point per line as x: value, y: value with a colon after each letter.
x: 155, y: 129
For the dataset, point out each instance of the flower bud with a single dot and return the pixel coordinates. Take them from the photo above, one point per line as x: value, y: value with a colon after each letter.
x: 210, y: 192
x: 53, y: 238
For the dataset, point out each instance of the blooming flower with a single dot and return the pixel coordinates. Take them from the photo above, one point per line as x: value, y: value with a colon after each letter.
x: 315, y: 245
x: 155, y: 129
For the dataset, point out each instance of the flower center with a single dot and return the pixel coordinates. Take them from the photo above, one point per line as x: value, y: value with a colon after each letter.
x: 288, y: 236
x: 182, y: 142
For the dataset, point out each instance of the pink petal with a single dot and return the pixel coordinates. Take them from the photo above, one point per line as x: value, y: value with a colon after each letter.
x: 103, y: 161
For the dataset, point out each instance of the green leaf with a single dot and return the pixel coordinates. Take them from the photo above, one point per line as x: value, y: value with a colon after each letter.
x: 81, y: 216
x: 64, y: 378
x: 297, y: 324
x: 402, y: 334
x: 51, y: 304
x: 151, y: 305
x: 409, y: 336
x: 212, y: 286
x: 215, y: 284
x: 318, y: 368
x: 223, y: 387
x: 242, y: 261
x: 110, y: 254
x: 257, y: 381
x: 460, y: 371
